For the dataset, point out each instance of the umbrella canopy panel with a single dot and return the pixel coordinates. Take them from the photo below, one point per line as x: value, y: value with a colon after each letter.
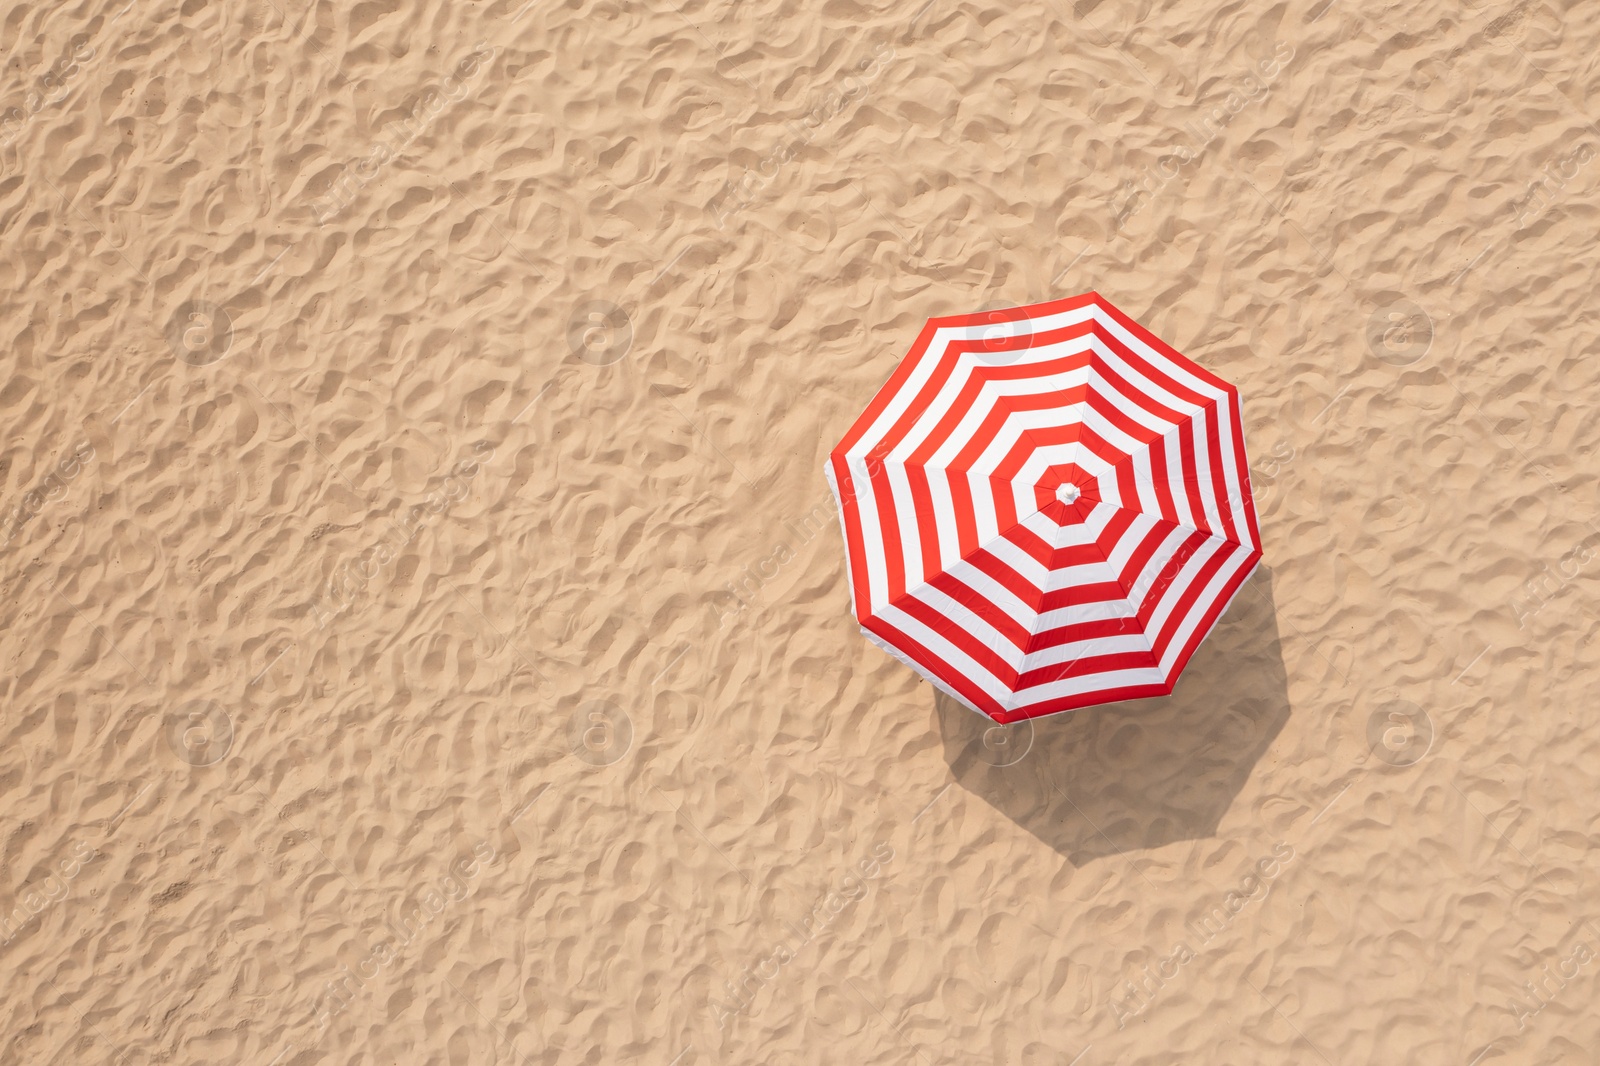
x: 1046, y: 508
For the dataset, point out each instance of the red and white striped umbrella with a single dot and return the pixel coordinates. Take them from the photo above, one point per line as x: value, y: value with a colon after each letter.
x: 1046, y: 508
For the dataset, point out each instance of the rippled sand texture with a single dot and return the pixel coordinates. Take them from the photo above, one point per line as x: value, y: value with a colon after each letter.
x: 425, y: 632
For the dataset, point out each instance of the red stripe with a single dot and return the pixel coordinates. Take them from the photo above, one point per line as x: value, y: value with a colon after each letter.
x: 968, y: 644
x: 1191, y: 487
x: 975, y: 602
x: 853, y: 537
x: 1096, y: 698
x: 1166, y: 507
x: 1213, y: 611
x: 927, y: 522
x: 1186, y: 598
x: 1088, y: 666
x: 891, y: 388
x: 1164, y: 348
x: 1218, y: 488
x: 949, y: 362
x: 1119, y: 390
x: 936, y: 667
x: 888, y: 523
x: 1242, y: 471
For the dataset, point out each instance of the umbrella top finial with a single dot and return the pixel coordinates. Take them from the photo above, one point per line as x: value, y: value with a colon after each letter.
x: 1067, y: 492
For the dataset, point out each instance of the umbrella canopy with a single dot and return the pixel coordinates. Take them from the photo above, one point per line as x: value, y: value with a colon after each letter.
x: 1046, y: 508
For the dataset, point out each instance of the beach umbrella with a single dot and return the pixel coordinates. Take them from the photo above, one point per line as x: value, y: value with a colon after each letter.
x: 1046, y: 508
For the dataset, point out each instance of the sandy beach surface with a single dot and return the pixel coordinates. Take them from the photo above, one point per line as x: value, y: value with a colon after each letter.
x: 425, y: 628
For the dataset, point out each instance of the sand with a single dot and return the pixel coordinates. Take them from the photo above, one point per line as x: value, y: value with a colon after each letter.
x: 425, y: 630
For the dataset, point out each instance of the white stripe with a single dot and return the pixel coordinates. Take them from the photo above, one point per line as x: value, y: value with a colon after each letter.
x: 1168, y: 602
x: 952, y: 655
x: 1049, y: 323
x: 1109, y: 488
x: 1078, y: 686
x: 989, y: 395
x: 873, y: 547
x: 1145, y: 526
x: 905, y: 513
x: 976, y: 579
x: 1060, y: 455
x: 974, y: 625
x: 1079, y: 613
x: 1027, y: 567
x: 1134, y: 641
x: 1172, y: 446
x: 1241, y: 522
x: 988, y: 461
x: 1204, y: 474
x: 994, y: 688
x: 1124, y: 396
x: 844, y: 535
x: 1141, y: 383
x: 1126, y: 405
x: 1184, y: 376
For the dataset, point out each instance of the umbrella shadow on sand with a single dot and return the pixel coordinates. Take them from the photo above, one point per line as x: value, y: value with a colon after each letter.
x: 1136, y: 775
